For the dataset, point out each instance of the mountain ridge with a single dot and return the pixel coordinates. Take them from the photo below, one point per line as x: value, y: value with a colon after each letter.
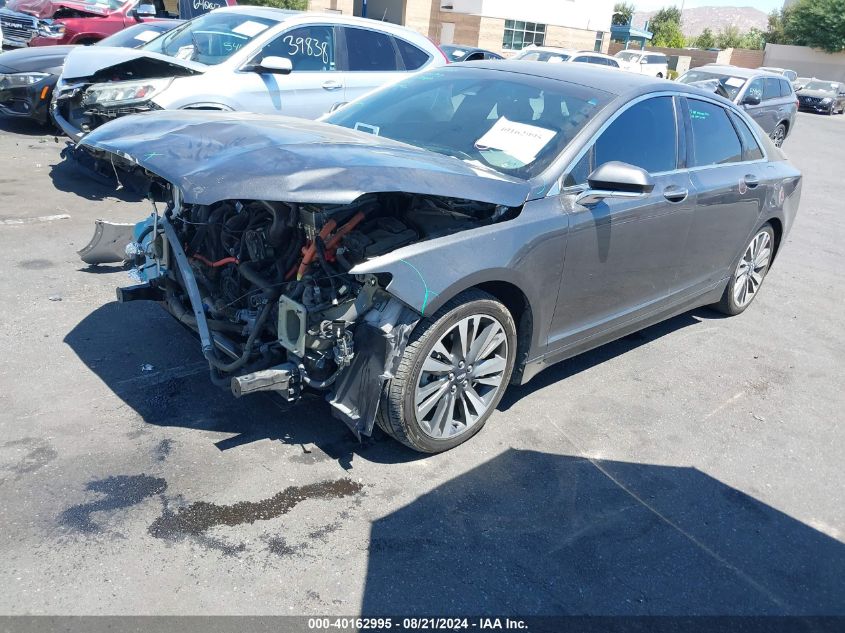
x: 695, y: 20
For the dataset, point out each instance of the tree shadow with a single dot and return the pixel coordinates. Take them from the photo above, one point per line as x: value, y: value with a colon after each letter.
x: 530, y: 533
x: 155, y: 366
x: 28, y: 127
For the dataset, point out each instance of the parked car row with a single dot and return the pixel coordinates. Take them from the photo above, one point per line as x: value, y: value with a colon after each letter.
x: 403, y: 255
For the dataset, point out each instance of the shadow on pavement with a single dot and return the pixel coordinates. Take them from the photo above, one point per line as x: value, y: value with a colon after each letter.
x: 73, y: 178
x: 29, y: 127
x: 530, y: 533
x: 155, y: 366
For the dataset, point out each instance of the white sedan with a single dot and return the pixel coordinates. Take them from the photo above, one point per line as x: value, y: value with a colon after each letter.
x: 244, y: 58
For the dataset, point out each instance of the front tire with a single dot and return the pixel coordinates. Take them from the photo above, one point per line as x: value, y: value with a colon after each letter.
x: 454, y: 371
x: 749, y: 272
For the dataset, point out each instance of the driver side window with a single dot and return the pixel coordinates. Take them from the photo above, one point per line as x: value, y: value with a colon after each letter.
x: 644, y: 135
x: 755, y: 89
x: 309, y: 48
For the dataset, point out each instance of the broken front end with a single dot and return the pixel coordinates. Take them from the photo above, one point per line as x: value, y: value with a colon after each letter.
x: 271, y: 289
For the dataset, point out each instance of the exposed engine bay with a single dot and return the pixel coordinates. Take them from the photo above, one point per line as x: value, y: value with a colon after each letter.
x: 269, y: 284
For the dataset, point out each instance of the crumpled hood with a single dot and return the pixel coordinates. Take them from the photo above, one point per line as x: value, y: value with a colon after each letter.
x: 214, y: 156
x: 84, y: 61
x: 46, y: 8
x: 37, y: 59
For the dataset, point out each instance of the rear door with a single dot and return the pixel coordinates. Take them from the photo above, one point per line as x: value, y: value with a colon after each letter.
x: 728, y: 174
x: 758, y: 111
x: 371, y: 59
x: 622, y: 255
x: 309, y: 90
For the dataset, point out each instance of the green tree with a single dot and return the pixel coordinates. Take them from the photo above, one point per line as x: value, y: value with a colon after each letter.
x: 775, y: 32
x: 755, y: 39
x: 666, y: 26
x: 622, y: 13
x: 817, y: 23
x: 729, y: 37
x: 298, y: 5
x: 705, y: 40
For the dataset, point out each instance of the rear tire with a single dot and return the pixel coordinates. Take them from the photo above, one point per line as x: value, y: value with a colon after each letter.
x: 452, y: 375
x: 778, y: 135
x: 749, y: 272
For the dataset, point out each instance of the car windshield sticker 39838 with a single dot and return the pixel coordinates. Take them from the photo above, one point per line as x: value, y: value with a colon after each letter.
x: 519, y: 140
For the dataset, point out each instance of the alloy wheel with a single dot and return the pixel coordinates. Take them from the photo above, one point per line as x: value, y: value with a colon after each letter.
x: 461, y: 376
x: 752, y: 268
x: 779, y: 135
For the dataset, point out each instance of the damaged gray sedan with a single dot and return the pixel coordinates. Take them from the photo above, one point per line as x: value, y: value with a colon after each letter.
x: 435, y: 241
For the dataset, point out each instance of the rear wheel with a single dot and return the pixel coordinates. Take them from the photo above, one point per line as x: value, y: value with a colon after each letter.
x: 749, y: 272
x: 778, y: 135
x: 453, y: 373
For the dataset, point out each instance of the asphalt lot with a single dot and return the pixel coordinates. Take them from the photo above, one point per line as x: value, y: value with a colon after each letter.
x: 693, y: 468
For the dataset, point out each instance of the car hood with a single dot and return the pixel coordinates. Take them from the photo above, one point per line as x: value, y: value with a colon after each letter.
x: 37, y: 59
x: 46, y: 8
x: 213, y: 156
x: 801, y: 93
x: 86, y: 61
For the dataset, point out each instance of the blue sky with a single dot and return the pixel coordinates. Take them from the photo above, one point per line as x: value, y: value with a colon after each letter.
x: 764, y: 5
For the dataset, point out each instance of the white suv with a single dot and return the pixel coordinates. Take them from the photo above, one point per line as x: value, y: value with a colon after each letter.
x: 243, y: 58
x: 644, y: 63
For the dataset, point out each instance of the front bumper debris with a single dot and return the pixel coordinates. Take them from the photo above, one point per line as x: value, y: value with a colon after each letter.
x: 108, y: 245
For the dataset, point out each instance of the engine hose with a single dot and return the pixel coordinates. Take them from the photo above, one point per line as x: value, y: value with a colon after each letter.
x: 317, y: 384
x: 181, y: 314
x: 202, y: 230
x: 249, y: 273
x: 211, y: 356
x: 279, y: 227
x: 321, y: 255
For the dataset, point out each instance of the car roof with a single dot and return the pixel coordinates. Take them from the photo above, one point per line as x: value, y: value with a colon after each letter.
x: 640, y: 52
x: 737, y: 71
x: 594, y: 76
x: 287, y: 15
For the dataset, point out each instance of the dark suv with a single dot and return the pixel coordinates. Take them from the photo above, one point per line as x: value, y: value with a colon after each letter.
x: 823, y: 96
x: 768, y: 98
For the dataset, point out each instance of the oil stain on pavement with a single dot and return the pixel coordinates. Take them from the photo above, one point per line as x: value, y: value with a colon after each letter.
x: 197, y: 518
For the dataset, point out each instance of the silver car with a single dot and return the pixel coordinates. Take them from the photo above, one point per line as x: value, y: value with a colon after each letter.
x: 768, y: 98
x: 252, y: 59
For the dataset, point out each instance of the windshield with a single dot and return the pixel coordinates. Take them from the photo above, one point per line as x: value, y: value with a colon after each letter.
x: 627, y: 56
x: 728, y: 85
x: 513, y: 123
x: 211, y: 38
x: 137, y: 35
x: 824, y: 86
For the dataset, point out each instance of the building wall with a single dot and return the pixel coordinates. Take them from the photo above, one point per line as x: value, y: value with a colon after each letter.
x: 807, y: 62
x: 594, y: 15
x: 341, y: 6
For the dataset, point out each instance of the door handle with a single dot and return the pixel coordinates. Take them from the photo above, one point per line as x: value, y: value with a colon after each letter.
x: 751, y: 180
x: 674, y: 193
x: 332, y: 85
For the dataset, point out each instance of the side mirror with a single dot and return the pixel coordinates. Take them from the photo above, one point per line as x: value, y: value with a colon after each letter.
x: 273, y: 64
x: 337, y: 106
x: 751, y: 100
x: 146, y: 11
x: 615, y: 180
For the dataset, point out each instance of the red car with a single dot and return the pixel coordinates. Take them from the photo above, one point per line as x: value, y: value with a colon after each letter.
x: 49, y: 22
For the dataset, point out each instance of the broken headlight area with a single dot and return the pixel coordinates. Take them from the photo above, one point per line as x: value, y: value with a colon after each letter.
x: 271, y: 290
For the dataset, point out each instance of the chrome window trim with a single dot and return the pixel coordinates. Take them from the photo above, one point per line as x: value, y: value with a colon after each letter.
x: 557, y: 188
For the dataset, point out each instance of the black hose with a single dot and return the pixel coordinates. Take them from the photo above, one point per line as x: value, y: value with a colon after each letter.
x: 248, y: 272
x: 181, y: 314
x: 317, y: 384
x: 279, y: 228
x: 211, y: 356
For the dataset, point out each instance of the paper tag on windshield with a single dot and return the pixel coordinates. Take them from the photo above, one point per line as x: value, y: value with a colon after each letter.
x: 185, y: 52
x: 147, y: 36
x: 734, y: 82
x: 249, y: 28
x: 519, y: 140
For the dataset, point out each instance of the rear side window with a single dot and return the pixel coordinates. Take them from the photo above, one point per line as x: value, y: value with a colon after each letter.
x: 612, y: 62
x: 751, y: 149
x: 714, y: 139
x: 785, y: 88
x: 644, y: 135
x: 771, y: 88
x: 412, y: 57
x: 656, y: 59
x: 369, y: 50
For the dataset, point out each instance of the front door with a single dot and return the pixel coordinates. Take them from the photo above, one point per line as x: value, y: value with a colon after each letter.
x: 309, y: 90
x: 622, y: 255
